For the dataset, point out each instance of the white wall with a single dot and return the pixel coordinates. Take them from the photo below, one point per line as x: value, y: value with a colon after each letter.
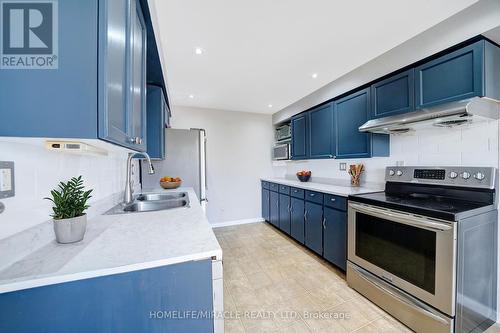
x: 38, y: 170
x: 238, y: 154
x: 470, y: 145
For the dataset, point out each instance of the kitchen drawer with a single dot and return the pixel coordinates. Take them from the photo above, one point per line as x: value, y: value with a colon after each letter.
x: 335, y: 201
x: 274, y: 187
x: 316, y: 197
x: 265, y: 185
x: 284, y: 189
x: 297, y: 193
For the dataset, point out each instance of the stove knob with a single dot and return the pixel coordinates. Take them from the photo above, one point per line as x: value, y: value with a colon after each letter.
x: 465, y: 175
x: 453, y: 175
x: 399, y: 173
x: 479, y: 175
x: 391, y: 172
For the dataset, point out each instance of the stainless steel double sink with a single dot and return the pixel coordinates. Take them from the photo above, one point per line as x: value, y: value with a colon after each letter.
x: 149, y: 202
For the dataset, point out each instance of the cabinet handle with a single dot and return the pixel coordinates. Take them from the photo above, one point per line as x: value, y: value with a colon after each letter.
x: 305, y: 216
x: 330, y: 155
x: 290, y: 209
x: 324, y: 222
x: 332, y: 199
x: 137, y: 140
x: 311, y: 194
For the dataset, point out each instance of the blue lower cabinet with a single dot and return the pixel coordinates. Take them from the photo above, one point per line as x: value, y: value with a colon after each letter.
x: 284, y: 220
x: 265, y: 204
x: 313, y: 220
x: 140, y: 301
x: 274, y: 208
x: 335, y: 237
x: 297, y: 219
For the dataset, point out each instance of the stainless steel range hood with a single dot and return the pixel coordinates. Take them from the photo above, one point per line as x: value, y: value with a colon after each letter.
x: 446, y: 115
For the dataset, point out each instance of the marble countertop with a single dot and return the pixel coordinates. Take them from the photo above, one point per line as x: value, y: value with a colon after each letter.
x: 117, y: 244
x: 337, y: 189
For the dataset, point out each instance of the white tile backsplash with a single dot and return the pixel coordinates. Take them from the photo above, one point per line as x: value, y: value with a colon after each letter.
x: 38, y: 170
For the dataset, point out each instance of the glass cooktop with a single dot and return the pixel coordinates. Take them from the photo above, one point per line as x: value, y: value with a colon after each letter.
x: 421, y: 203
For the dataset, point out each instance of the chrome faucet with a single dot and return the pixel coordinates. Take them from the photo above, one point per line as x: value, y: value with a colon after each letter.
x: 128, y: 198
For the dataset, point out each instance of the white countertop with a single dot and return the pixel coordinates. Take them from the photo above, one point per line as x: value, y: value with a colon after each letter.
x: 341, y: 190
x: 117, y: 244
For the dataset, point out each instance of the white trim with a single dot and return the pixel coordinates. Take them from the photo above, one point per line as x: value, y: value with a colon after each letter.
x: 237, y: 222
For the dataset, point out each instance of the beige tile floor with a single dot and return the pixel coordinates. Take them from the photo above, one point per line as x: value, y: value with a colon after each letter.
x: 272, y: 284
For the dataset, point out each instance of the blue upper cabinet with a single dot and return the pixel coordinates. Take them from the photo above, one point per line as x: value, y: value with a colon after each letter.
x: 156, y: 111
x: 321, y: 133
x: 393, y: 95
x: 59, y: 102
x: 300, y: 136
x: 98, y: 90
x: 137, y: 100
x: 122, y: 71
x: 454, y: 76
x: 351, y: 112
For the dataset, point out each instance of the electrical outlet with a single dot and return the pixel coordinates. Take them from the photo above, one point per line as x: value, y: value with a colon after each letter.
x: 7, y: 179
x: 342, y: 166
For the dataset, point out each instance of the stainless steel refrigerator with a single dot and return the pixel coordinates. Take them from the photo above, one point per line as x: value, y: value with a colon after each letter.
x: 185, y: 158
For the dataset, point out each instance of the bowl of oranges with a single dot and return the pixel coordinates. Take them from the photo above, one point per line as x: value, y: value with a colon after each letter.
x: 304, y: 175
x: 170, y: 182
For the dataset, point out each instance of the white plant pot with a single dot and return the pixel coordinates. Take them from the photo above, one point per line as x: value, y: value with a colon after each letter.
x: 70, y: 230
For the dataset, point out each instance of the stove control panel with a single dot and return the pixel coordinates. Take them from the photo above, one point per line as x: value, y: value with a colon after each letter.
x: 479, y: 177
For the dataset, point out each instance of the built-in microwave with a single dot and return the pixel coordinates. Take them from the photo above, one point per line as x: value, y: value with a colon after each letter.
x: 283, y: 132
x: 281, y: 151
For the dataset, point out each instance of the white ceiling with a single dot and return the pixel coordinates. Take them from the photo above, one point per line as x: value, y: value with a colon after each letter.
x: 261, y: 52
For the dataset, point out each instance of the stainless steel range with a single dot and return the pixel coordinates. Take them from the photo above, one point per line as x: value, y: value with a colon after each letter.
x: 425, y: 249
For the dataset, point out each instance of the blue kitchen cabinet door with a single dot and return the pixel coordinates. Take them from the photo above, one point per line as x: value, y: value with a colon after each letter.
x: 455, y: 76
x: 155, y: 122
x: 300, y: 136
x: 62, y: 102
x: 125, y: 303
x: 284, y: 219
x: 350, y: 113
x: 394, y: 95
x: 274, y: 208
x: 265, y: 204
x: 335, y: 237
x: 321, y: 132
x: 137, y: 93
x: 297, y: 219
x: 313, y: 220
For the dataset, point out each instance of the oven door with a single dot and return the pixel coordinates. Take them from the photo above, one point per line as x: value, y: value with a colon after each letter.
x: 412, y: 252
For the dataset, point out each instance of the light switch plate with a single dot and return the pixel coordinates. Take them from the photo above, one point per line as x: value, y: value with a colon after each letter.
x: 7, y: 184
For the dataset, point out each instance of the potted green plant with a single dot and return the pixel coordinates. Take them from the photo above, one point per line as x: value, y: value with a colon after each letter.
x: 70, y: 202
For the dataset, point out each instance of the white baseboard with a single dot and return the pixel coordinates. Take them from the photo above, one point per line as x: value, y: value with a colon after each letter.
x: 237, y: 222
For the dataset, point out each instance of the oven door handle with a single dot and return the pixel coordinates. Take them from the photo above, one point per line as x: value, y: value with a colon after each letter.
x: 416, y: 221
x: 414, y: 304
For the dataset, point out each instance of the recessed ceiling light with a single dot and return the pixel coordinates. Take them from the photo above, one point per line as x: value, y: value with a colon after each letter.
x: 314, y: 75
x: 198, y: 50
x: 269, y: 105
x: 191, y: 96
